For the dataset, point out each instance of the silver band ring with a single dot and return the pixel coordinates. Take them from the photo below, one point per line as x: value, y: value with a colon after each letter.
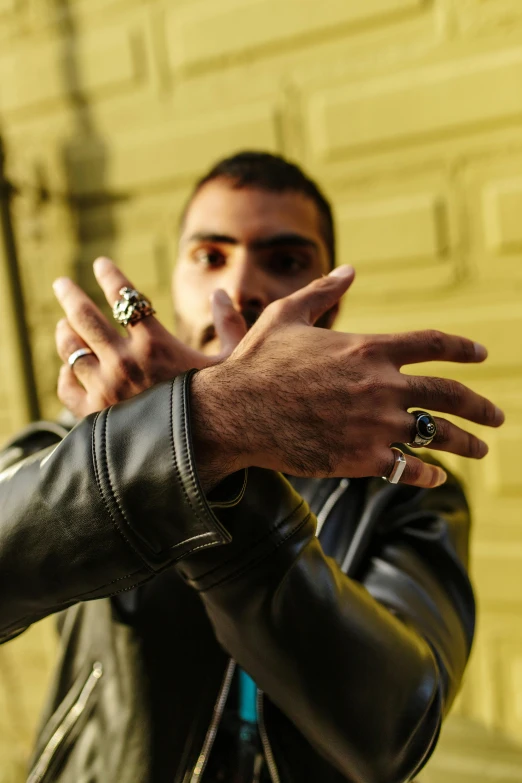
x: 73, y: 358
x: 425, y: 429
x: 398, y: 467
x: 132, y: 307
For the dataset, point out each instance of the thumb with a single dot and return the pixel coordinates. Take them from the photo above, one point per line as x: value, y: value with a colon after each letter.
x: 319, y: 296
x: 230, y: 325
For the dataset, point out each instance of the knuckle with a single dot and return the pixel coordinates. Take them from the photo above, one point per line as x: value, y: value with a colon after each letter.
x: 83, y: 312
x: 455, y: 393
x: 436, y: 340
x: 467, y: 350
x: 384, y: 464
x: 366, y: 350
x: 474, y: 447
x: 128, y: 370
x: 414, y: 468
x: 443, y: 431
x: 488, y: 412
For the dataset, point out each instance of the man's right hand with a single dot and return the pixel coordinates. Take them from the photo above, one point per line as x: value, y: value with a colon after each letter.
x: 310, y: 402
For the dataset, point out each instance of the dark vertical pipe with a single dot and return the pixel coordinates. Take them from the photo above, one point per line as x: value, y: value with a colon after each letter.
x: 7, y: 238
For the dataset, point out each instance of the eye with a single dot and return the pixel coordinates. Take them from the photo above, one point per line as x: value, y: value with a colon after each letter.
x: 288, y: 263
x: 209, y: 258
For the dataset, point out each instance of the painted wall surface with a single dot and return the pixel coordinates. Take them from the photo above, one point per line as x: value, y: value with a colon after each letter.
x: 409, y: 113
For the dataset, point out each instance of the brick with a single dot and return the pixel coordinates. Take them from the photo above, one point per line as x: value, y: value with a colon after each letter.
x: 182, y: 149
x: 34, y: 75
x: 502, y: 472
x: 7, y: 6
x: 496, y: 568
x: 402, y: 229
x: 502, y: 211
x: 417, y: 104
x: 204, y: 31
x: 137, y: 256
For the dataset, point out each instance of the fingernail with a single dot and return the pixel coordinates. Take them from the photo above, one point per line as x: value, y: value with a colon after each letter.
x: 60, y: 286
x: 221, y: 297
x: 481, y: 352
x: 500, y: 416
x: 102, y: 263
x: 342, y: 271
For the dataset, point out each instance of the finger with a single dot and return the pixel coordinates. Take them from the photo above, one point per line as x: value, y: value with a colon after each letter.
x: 432, y: 345
x: 449, y: 396
x: 70, y: 393
x: 111, y: 280
x: 416, y: 472
x: 84, y: 316
x: 311, y: 302
x: 68, y: 341
x: 449, y: 438
x: 230, y: 325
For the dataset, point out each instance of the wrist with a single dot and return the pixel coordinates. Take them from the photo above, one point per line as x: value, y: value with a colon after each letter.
x: 217, y: 450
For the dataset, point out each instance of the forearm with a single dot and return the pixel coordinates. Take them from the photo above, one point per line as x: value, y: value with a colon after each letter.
x: 357, y: 682
x: 216, y: 428
x: 114, y: 503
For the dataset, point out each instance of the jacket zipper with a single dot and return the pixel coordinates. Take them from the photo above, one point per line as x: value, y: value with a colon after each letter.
x: 219, y: 706
x: 201, y: 763
x: 41, y: 767
x: 322, y: 516
x: 267, y: 748
x: 330, y: 502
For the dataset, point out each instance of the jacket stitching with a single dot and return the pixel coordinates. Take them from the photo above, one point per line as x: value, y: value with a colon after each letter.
x: 32, y: 618
x: 184, y: 387
x: 253, y: 563
x: 108, y: 473
x: 273, y: 529
x: 70, y: 601
x: 174, y: 456
x: 115, y: 522
x: 106, y: 470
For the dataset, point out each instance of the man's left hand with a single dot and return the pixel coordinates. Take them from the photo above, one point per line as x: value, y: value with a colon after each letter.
x: 122, y: 366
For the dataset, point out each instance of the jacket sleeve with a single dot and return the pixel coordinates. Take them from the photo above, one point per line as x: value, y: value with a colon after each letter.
x: 115, y: 502
x: 364, y: 669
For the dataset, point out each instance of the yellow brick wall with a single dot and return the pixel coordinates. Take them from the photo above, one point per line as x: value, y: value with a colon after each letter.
x: 409, y: 112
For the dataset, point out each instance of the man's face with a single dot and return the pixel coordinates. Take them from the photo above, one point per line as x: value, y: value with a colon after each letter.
x: 256, y: 245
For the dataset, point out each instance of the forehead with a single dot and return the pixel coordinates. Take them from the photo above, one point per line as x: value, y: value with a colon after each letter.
x: 248, y: 213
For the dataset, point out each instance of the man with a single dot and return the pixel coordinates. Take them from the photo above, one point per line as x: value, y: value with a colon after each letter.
x: 171, y: 508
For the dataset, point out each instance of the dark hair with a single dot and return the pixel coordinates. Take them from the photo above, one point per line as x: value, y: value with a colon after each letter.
x: 276, y: 174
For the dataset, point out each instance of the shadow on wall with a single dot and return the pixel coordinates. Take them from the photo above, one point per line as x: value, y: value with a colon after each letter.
x: 10, y: 276
x: 84, y: 156
x: 26, y: 663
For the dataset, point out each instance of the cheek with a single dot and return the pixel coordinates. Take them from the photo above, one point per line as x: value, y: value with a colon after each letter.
x: 190, y: 297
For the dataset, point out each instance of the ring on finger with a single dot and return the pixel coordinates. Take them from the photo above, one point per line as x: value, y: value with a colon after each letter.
x: 425, y: 429
x: 132, y: 307
x: 73, y: 358
x: 398, y: 467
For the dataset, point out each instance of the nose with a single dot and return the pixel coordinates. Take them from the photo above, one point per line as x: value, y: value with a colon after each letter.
x: 246, y: 284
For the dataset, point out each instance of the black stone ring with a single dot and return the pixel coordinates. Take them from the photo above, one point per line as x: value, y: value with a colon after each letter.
x: 425, y: 429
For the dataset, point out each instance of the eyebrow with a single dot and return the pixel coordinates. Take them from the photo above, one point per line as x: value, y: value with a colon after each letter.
x: 277, y: 240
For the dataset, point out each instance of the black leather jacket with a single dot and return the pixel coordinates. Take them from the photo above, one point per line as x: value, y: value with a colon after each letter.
x: 358, y: 641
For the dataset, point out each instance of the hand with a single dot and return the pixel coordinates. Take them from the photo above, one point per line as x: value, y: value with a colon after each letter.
x: 310, y: 402
x: 121, y: 366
